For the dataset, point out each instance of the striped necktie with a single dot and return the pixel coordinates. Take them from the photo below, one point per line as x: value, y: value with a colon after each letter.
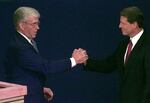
x: 34, y: 45
x: 129, y: 49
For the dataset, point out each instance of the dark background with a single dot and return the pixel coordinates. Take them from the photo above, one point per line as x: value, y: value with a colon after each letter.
x: 69, y: 24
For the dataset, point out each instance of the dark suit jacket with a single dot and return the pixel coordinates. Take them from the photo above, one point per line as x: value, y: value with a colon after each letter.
x: 135, y: 74
x: 25, y: 66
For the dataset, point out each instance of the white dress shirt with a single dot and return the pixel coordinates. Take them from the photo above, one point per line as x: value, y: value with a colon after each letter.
x: 134, y: 40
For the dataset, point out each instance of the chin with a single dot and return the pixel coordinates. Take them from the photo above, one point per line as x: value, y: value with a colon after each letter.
x: 34, y: 36
x: 124, y: 34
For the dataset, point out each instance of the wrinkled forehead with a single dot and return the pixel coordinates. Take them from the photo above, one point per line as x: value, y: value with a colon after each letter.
x: 32, y: 18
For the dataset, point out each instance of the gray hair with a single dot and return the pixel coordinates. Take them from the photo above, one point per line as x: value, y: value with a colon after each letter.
x: 22, y: 13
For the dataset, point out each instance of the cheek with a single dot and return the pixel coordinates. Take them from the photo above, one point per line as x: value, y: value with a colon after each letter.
x: 125, y: 27
x: 31, y: 31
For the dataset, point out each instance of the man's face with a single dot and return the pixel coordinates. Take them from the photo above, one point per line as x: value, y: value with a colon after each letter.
x: 30, y: 27
x: 127, y: 28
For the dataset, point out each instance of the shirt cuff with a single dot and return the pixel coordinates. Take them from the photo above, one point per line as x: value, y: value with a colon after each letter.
x: 73, y: 62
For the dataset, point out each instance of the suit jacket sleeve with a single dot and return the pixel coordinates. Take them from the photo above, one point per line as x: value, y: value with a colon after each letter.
x: 109, y: 64
x: 22, y: 55
x: 105, y: 66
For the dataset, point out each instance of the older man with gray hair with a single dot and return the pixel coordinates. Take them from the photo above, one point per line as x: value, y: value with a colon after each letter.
x: 24, y: 64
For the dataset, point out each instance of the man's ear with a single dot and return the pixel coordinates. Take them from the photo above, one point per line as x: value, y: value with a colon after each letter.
x: 135, y: 24
x: 21, y: 25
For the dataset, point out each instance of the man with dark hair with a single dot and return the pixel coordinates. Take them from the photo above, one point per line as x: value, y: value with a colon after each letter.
x: 131, y: 59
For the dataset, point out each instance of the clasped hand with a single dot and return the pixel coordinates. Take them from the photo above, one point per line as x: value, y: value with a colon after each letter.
x: 80, y: 55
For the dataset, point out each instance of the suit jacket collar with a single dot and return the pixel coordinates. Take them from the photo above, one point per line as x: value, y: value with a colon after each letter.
x: 25, y: 37
x: 138, y: 50
x: 139, y: 45
x: 22, y: 41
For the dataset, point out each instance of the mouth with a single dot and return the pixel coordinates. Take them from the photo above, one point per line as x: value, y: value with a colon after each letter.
x: 122, y: 30
x: 36, y: 31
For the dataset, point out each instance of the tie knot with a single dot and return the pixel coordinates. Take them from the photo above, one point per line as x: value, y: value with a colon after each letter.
x: 34, y: 45
x: 129, y: 49
x: 130, y: 45
x: 33, y: 42
x: 130, y: 42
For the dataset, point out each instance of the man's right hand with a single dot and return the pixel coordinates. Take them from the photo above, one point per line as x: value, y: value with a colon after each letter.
x: 80, y: 55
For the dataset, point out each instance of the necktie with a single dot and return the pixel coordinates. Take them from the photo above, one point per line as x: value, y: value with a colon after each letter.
x: 129, y: 49
x: 34, y: 45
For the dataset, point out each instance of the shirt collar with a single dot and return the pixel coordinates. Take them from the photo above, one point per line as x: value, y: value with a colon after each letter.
x: 136, y: 37
x: 25, y: 37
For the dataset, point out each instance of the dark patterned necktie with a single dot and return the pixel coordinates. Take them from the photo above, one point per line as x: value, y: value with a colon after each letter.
x: 129, y: 49
x: 34, y: 45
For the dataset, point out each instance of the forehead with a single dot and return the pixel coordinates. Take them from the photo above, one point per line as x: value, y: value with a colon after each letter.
x: 123, y: 18
x: 32, y: 18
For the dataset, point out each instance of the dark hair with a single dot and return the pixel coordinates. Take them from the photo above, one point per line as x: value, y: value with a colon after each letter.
x: 133, y: 14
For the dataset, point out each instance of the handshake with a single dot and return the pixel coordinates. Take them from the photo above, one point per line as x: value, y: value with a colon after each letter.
x: 80, y: 56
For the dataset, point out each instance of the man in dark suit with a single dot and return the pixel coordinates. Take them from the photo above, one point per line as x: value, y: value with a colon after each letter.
x: 131, y: 59
x: 23, y: 62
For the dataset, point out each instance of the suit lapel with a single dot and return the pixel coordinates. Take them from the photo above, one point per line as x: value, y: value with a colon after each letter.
x: 137, y: 48
x: 22, y: 40
x: 137, y: 51
x: 123, y: 47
